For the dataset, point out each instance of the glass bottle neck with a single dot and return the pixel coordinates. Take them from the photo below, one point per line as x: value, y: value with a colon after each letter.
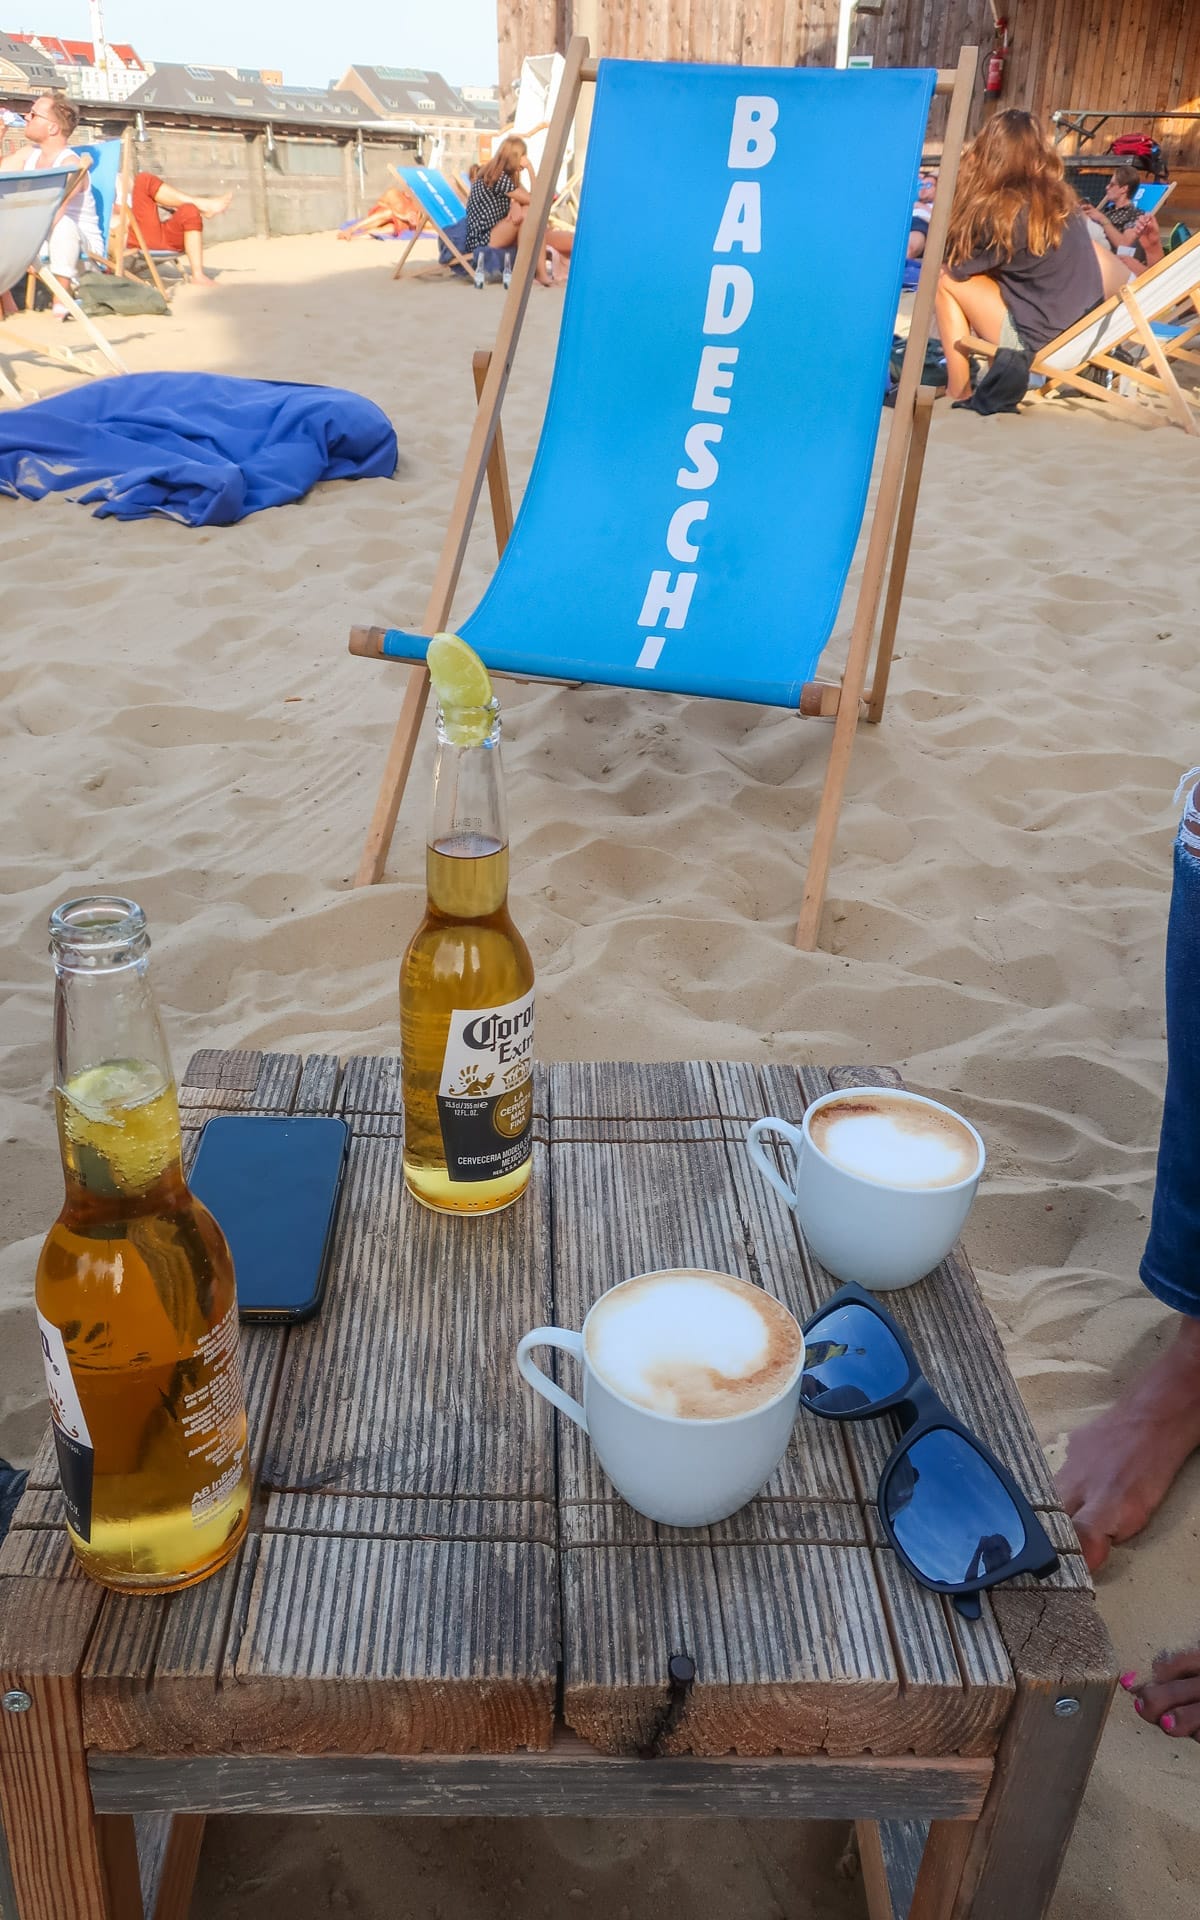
x: 114, y: 1092
x: 466, y: 864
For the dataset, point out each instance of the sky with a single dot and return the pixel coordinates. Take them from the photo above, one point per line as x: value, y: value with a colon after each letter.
x: 313, y: 43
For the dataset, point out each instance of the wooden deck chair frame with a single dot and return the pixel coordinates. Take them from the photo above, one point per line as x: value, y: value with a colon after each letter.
x: 125, y: 235
x: 1156, y: 375
x: 64, y: 356
x: 427, y: 221
x: 845, y: 702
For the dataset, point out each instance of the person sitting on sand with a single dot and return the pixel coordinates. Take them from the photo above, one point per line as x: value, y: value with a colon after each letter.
x: 168, y: 221
x: 395, y: 212
x: 1120, y: 1466
x: 49, y: 124
x: 1020, y: 262
x: 499, y: 203
x: 1121, y: 221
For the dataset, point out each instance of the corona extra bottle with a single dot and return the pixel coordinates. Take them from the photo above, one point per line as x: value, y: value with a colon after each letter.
x: 466, y: 981
x: 135, y: 1289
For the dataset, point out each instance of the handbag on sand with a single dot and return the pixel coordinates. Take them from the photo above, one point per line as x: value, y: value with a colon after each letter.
x: 118, y: 293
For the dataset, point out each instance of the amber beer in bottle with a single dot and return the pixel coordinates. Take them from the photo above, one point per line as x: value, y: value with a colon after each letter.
x: 135, y: 1287
x: 466, y: 991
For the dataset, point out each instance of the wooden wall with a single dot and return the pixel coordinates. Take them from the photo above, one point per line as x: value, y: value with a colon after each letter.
x: 1065, y: 53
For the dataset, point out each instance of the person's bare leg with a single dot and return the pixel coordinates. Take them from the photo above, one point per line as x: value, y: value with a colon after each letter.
x: 507, y: 233
x: 1119, y: 1468
x: 170, y: 198
x: 193, y: 246
x: 1113, y: 272
x: 970, y: 306
x: 1171, y: 1697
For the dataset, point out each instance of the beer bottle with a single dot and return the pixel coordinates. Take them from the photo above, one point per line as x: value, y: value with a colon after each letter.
x: 135, y: 1289
x: 466, y: 981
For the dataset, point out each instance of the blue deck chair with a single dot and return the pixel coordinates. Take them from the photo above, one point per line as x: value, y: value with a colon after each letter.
x: 1152, y: 195
x: 440, y: 205
x: 714, y: 410
x: 105, y: 156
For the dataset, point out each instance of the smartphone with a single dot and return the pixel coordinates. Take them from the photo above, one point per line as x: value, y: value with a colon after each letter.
x: 272, y: 1185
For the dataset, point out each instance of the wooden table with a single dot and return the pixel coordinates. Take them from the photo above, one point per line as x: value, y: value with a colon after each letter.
x: 442, y: 1607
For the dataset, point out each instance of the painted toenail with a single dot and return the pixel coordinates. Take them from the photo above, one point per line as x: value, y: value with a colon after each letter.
x: 1167, y: 1723
x: 1128, y: 1681
x: 1138, y: 1707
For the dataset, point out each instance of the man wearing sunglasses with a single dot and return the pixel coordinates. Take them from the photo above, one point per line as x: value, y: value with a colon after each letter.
x: 49, y: 124
x: 1120, y: 1467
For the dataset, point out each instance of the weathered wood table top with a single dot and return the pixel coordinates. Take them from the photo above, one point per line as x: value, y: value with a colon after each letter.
x: 432, y: 1568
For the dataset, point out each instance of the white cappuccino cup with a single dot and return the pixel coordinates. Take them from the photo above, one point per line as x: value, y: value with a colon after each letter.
x: 691, y: 1381
x: 882, y: 1181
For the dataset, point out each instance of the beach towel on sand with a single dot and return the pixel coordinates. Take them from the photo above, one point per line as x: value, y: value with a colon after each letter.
x: 197, y: 447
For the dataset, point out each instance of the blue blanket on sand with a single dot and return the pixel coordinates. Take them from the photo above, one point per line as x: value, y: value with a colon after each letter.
x: 197, y: 447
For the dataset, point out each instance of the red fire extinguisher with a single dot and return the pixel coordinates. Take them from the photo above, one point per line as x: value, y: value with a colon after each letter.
x: 993, y: 78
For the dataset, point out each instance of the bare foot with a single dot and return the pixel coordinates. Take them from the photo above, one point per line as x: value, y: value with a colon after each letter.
x: 203, y: 280
x: 1120, y: 1467
x: 1172, y: 1698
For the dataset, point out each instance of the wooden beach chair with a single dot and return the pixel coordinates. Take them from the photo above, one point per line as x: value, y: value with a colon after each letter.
x: 28, y: 204
x: 1159, y: 312
x: 440, y: 207
x: 714, y: 411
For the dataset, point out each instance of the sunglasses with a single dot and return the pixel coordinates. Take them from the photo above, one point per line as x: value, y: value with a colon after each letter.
x: 953, y: 1514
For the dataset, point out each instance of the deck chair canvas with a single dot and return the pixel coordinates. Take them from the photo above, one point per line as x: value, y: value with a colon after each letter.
x: 714, y: 409
x: 440, y: 207
x: 104, y: 180
x: 1159, y: 311
x: 28, y: 204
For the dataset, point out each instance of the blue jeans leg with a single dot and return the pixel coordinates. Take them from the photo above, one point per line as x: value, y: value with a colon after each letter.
x: 1171, y: 1262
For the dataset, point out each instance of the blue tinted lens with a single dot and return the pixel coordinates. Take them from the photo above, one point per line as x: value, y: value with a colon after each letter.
x: 851, y: 1362
x: 950, y: 1511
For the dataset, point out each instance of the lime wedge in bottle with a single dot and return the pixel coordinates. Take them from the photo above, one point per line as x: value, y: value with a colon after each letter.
x: 463, y: 688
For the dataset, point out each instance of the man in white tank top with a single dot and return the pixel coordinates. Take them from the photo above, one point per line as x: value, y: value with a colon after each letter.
x: 49, y: 124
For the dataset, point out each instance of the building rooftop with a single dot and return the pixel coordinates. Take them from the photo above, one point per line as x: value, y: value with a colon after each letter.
x: 21, y: 63
x: 77, y: 53
x: 210, y: 90
x: 403, y: 91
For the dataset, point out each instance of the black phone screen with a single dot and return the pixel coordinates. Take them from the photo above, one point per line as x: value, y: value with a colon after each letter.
x: 272, y: 1186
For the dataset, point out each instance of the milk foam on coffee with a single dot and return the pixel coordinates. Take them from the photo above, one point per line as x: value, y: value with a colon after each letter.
x: 698, y: 1345
x: 896, y: 1142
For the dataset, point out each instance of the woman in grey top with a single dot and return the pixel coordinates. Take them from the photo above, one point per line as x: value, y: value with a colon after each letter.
x: 1021, y: 265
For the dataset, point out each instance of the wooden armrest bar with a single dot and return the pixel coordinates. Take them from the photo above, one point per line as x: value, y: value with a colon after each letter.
x: 572, y: 1778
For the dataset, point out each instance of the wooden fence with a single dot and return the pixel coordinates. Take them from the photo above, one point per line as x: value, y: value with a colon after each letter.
x: 1136, y: 55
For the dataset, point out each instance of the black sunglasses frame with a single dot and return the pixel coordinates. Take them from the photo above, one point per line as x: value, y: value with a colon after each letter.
x: 919, y: 1411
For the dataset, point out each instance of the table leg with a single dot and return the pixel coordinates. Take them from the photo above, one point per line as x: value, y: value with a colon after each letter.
x: 1007, y: 1862
x: 61, y: 1865
x: 64, y: 1865
x: 169, y: 1845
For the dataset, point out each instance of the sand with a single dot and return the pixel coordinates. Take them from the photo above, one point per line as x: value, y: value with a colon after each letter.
x: 184, y: 724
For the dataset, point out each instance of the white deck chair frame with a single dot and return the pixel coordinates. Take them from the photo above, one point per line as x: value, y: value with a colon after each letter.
x: 882, y: 582
x: 23, y: 234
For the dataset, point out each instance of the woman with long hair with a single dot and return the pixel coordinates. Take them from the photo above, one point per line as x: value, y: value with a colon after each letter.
x: 499, y: 203
x: 1021, y: 264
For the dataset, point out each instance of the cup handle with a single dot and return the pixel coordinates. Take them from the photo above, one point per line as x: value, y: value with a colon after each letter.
x: 765, y: 1165
x: 541, y: 1382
